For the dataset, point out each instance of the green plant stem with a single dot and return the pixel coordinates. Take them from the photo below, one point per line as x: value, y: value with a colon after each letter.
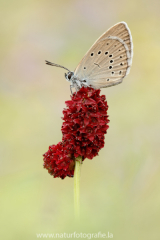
x: 78, y: 162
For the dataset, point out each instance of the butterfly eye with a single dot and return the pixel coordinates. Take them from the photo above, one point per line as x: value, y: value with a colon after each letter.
x: 91, y: 54
x: 70, y: 75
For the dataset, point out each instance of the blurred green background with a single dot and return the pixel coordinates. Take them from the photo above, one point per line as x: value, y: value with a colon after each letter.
x: 120, y: 189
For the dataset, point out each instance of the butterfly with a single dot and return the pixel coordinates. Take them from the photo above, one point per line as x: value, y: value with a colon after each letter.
x: 106, y: 63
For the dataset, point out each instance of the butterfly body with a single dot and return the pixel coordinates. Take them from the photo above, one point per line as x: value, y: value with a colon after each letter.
x: 76, y: 82
x: 106, y: 63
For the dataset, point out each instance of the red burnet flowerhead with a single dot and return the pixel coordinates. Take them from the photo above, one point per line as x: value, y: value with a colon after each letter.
x: 85, y: 122
x: 59, y: 161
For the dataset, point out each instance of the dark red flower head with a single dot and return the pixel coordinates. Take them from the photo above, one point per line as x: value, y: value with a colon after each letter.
x: 83, y: 129
x: 85, y: 122
x: 59, y: 161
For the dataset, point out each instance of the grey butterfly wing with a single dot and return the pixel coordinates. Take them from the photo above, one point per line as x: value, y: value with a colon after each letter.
x: 109, y: 60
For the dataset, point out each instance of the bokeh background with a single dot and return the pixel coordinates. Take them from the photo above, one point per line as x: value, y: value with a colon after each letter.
x: 120, y: 188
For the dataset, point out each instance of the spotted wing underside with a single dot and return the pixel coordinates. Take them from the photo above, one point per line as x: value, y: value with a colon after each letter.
x: 109, y: 60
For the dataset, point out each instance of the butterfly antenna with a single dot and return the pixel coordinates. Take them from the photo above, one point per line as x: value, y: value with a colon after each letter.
x: 56, y: 65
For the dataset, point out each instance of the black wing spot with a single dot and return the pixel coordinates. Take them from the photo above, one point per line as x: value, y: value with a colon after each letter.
x: 111, y: 61
x: 107, y: 43
x: 120, y: 72
x: 110, y: 55
x: 92, y: 54
x: 119, y: 49
x: 110, y: 67
x: 120, y: 56
x: 108, y: 79
x: 112, y: 72
x: 84, y: 67
x: 106, y: 53
x: 99, y: 52
x: 121, y: 64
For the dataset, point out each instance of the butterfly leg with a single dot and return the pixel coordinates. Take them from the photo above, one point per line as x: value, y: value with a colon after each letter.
x: 73, y: 86
x: 76, y: 86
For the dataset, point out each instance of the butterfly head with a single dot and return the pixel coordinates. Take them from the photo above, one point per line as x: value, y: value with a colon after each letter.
x: 69, y: 76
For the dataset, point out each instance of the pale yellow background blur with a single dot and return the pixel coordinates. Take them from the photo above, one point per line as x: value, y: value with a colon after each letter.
x: 120, y: 189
